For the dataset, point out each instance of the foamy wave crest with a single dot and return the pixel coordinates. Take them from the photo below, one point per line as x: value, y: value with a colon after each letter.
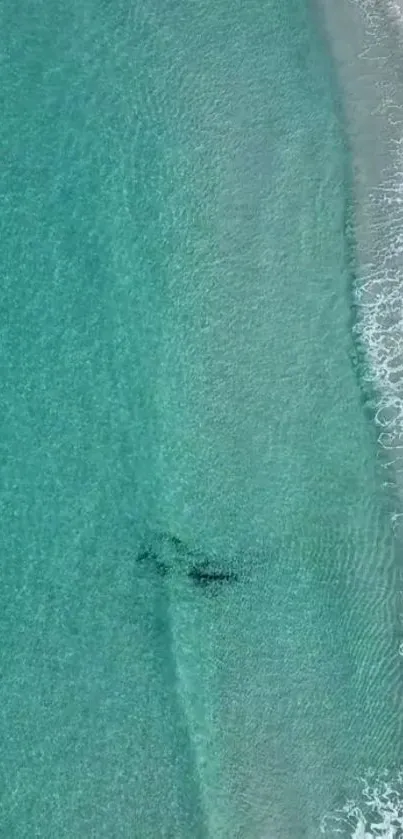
x: 380, y: 328
x: 377, y: 814
x: 379, y: 289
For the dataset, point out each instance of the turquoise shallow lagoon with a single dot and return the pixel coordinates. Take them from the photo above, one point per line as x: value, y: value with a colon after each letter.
x: 199, y: 598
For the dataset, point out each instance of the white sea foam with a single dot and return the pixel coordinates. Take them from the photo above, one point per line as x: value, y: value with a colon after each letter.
x: 379, y: 289
x: 367, y: 40
x: 376, y: 814
x: 365, y: 36
x: 380, y: 327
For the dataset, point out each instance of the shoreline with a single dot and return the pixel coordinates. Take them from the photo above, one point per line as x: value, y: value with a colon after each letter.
x: 370, y: 82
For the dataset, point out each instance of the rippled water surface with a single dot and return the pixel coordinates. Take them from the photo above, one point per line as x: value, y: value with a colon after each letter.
x: 199, y: 576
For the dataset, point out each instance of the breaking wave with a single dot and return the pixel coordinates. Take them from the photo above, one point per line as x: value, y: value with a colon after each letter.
x: 379, y: 288
x: 375, y: 808
x: 377, y: 813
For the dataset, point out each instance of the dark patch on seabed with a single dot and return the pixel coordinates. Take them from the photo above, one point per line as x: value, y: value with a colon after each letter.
x: 167, y: 553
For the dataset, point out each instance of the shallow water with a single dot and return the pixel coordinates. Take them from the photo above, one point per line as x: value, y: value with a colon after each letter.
x: 199, y: 581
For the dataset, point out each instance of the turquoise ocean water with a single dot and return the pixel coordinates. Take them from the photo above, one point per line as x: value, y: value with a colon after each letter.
x: 199, y: 599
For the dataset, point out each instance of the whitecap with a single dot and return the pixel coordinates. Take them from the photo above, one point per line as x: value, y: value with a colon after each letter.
x: 376, y: 814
